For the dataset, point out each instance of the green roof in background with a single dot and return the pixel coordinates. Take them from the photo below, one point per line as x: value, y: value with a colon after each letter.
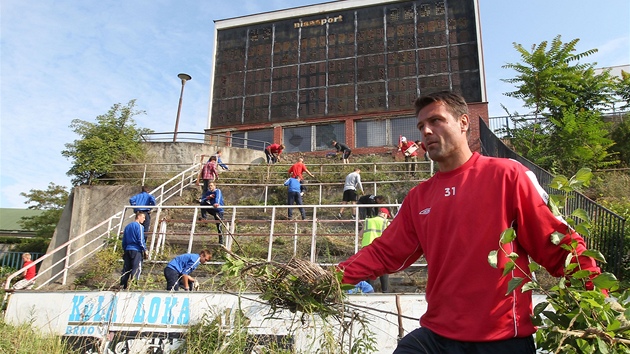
x: 9, y: 218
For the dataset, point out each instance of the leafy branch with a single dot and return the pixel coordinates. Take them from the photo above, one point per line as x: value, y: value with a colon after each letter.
x: 577, y: 316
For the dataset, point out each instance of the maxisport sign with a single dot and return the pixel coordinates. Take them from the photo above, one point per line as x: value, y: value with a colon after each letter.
x: 318, y: 22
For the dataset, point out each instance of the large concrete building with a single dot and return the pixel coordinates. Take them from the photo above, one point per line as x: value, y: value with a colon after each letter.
x: 346, y: 70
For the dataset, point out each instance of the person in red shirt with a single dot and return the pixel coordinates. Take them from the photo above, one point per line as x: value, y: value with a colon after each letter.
x: 273, y: 152
x: 410, y: 150
x: 298, y: 168
x: 454, y: 219
x: 208, y: 173
x: 29, y: 273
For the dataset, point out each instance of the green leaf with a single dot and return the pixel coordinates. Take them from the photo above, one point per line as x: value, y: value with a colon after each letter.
x: 570, y: 267
x: 605, y: 281
x: 508, y: 235
x: 581, y: 213
x: 513, y: 284
x: 584, y: 175
x: 540, y: 308
x: 562, y: 284
x: 512, y: 255
x: 533, y: 266
x: 555, y: 318
x: 493, y: 258
x: 602, y: 347
x: 583, y: 229
x: 556, y: 237
x: 508, y: 268
x: 581, y: 274
x: 553, y: 205
x: 595, y: 254
x: 613, y: 325
x: 584, y: 346
x: 530, y: 285
x: 559, y: 182
x: 346, y: 287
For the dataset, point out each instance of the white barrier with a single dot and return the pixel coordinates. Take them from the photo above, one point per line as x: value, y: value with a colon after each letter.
x: 129, y: 321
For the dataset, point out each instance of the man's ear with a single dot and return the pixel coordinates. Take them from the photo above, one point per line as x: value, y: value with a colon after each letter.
x: 464, y: 122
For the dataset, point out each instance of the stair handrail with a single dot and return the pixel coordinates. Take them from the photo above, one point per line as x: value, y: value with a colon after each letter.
x: 184, y: 179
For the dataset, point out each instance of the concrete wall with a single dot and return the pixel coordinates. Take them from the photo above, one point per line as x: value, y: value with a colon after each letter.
x: 184, y: 152
x: 87, y: 207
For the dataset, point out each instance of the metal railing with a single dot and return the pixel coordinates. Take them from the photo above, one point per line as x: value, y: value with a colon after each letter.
x: 371, y: 171
x: 502, y: 125
x: 14, y: 259
x: 174, y: 186
x: 260, y: 225
x: 167, y: 190
x: 207, y: 138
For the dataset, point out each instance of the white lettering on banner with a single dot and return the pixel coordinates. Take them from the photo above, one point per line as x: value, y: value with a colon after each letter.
x: 140, y: 318
x: 85, y: 331
x: 85, y: 312
x: 161, y: 310
x: 155, y: 306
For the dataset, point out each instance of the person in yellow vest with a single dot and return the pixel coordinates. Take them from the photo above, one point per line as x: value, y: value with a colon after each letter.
x: 372, y: 229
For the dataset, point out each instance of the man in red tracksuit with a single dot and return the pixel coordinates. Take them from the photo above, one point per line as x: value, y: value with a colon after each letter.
x: 273, y: 152
x: 455, y: 219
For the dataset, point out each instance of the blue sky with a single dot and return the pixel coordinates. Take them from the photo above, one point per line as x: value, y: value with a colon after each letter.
x: 61, y: 60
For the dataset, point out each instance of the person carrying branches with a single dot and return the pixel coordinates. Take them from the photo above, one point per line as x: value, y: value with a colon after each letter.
x: 454, y: 220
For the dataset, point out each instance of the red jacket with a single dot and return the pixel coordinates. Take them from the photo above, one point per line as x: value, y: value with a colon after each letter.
x: 455, y: 219
x: 274, y: 149
x: 297, y: 169
x: 209, y: 171
x: 30, y: 272
x: 406, y: 145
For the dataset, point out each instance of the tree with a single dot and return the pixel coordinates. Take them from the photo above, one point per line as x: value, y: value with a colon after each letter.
x: 51, y: 201
x: 567, y: 131
x: 548, y: 81
x: 114, y: 138
x: 623, y: 89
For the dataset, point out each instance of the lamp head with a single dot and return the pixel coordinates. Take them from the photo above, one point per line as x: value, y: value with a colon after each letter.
x: 184, y: 77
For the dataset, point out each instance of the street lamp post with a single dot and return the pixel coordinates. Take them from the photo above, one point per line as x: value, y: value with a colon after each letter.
x: 184, y: 78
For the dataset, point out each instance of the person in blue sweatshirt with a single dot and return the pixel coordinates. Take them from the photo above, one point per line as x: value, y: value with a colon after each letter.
x: 144, y: 200
x: 177, y: 271
x: 135, y: 249
x: 294, y: 195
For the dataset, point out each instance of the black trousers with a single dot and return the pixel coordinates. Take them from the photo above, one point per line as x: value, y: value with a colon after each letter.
x: 424, y: 341
x: 132, y: 263
x: 295, y: 198
x: 174, y: 280
x: 218, y: 215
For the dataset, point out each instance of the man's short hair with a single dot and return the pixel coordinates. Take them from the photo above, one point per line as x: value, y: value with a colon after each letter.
x: 207, y: 253
x: 145, y: 189
x: 455, y: 103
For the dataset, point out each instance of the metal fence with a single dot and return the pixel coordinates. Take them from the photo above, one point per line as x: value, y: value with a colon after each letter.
x: 14, y: 259
x: 607, y: 233
x: 235, y: 140
x: 503, y: 125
